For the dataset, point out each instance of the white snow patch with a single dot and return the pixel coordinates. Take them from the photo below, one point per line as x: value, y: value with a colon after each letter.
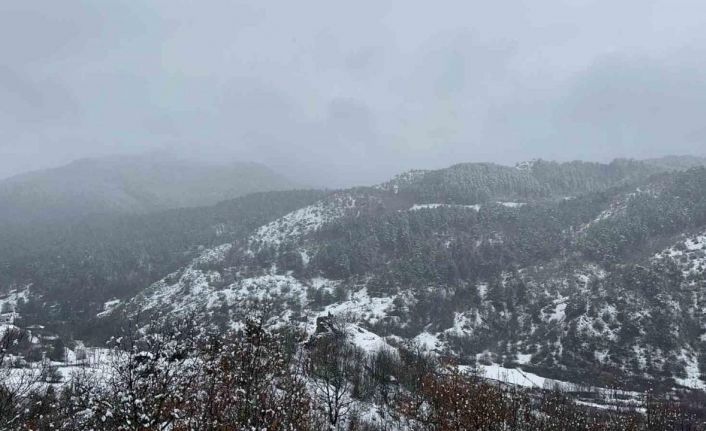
x: 482, y: 290
x: 427, y: 341
x: 109, y: 307
x: 193, y: 284
x: 360, y: 307
x: 417, y: 207
x: 559, y: 312
x: 689, y: 254
x: 511, y: 376
x: 10, y: 299
x: 693, y: 376
x: 298, y: 223
x: 213, y: 255
x: 512, y: 204
x: 475, y: 207
x: 367, y: 341
x: 524, y: 358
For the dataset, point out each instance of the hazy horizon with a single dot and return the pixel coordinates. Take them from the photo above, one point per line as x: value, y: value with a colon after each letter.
x: 169, y: 156
x: 303, y: 89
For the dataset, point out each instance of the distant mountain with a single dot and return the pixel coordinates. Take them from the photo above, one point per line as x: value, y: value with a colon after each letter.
x: 128, y: 184
x: 677, y: 162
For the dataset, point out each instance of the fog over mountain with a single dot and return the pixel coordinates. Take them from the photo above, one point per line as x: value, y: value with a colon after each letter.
x: 129, y: 184
x: 344, y: 93
x: 353, y: 215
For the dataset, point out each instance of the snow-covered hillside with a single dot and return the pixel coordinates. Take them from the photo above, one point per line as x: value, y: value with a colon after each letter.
x: 301, y: 222
x: 511, y: 281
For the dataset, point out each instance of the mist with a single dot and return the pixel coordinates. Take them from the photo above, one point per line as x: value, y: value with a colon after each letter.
x: 342, y: 93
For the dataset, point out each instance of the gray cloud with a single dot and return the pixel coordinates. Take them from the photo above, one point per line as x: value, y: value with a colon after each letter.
x: 350, y: 92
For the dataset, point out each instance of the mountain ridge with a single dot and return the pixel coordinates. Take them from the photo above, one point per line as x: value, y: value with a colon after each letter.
x: 440, y: 258
x: 497, y: 280
x: 128, y: 184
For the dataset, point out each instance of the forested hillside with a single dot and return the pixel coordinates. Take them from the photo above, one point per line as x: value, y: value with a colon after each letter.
x: 583, y: 277
x: 566, y: 285
x: 74, y: 267
x: 473, y: 183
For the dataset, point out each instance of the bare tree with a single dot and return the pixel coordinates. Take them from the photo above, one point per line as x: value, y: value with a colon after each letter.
x: 16, y: 384
x: 332, y: 368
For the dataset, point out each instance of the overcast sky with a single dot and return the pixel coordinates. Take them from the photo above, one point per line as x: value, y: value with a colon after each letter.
x: 341, y: 92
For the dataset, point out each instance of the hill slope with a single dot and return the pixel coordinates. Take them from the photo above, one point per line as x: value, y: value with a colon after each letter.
x: 570, y: 270
x: 585, y: 277
x: 74, y: 267
x: 605, y: 283
x: 474, y: 183
x: 135, y: 184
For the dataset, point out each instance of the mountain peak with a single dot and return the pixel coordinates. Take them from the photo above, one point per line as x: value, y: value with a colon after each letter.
x: 129, y: 184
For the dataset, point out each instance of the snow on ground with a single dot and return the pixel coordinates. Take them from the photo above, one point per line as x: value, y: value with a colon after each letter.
x: 96, y: 367
x: 198, y: 289
x: 512, y: 204
x: 616, y: 208
x: 266, y: 287
x: 483, y: 290
x: 379, y: 416
x: 693, y: 376
x: 192, y: 282
x: 514, y: 376
x: 526, y: 165
x: 464, y: 323
x: 360, y: 307
x: 213, y: 255
x: 605, y: 214
x: 427, y: 341
x: 402, y: 179
x: 302, y: 221
x: 695, y: 243
x: 418, y: 207
x: 690, y: 254
x: 524, y: 358
x: 109, y: 307
x: 476, y: 207
x: 9, y: 300
x: 558, y: 314
x: 7, y: 327
x: 367, y: 341
x: 518, y: 377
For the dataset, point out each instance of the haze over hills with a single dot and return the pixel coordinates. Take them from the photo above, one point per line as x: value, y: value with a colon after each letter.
x: 129, y: 184
x: 575, y: 274
x: 140, y: 236
x: 677, y: 162
x: 568, y: 269
x: 353, y: 216
x: 52, y: 257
